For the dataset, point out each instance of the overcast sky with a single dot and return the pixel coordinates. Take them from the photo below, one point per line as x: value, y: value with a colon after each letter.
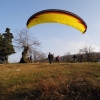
x: 55, y: 38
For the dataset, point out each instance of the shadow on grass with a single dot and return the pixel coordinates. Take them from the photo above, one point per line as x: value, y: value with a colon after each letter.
x: 45, y: 90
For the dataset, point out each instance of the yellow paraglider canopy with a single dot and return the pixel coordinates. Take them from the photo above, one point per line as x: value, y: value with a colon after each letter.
x: 57, y: 16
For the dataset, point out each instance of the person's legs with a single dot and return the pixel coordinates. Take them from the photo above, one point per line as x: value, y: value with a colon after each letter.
x: 50, y: 61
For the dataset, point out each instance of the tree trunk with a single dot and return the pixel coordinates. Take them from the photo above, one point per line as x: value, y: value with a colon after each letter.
x: 6, y: 59
x: 24, y: 53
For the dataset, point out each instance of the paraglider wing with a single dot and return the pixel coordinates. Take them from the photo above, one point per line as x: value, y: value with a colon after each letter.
x: 57, y: 16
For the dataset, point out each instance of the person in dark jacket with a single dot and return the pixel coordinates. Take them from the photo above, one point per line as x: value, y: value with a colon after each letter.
x: 74, y: 58
x: 31, y: 59
x: 50, y: 57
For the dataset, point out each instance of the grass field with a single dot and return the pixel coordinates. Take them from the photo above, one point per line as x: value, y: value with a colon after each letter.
x: 44, y: 81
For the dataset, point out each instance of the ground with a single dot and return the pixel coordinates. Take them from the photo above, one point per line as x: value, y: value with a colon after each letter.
x: 44, y: 81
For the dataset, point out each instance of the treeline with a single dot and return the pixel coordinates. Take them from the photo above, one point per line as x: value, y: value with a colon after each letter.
x: 86, y: 54
x: 91, y: 57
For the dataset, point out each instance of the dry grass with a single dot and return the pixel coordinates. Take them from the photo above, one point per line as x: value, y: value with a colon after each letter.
x: 64, y: 81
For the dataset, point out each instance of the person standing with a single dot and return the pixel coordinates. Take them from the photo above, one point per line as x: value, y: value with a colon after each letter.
x: 50, y: 57
x: 57, y: 59
x: 31, y: 59
x: 74, y: 58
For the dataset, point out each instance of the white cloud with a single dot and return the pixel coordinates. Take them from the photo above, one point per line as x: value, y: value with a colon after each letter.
x: 62, y: 47
x: 96, y: 48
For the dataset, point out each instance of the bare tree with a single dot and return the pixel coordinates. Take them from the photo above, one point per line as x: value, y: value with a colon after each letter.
x: 39, y: 56
x: 42, y: 57
x: 66, y: 57
x: 27, y: 42
x: 88, y: 52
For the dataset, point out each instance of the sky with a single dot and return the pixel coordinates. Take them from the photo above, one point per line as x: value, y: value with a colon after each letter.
x: 58, y: 39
